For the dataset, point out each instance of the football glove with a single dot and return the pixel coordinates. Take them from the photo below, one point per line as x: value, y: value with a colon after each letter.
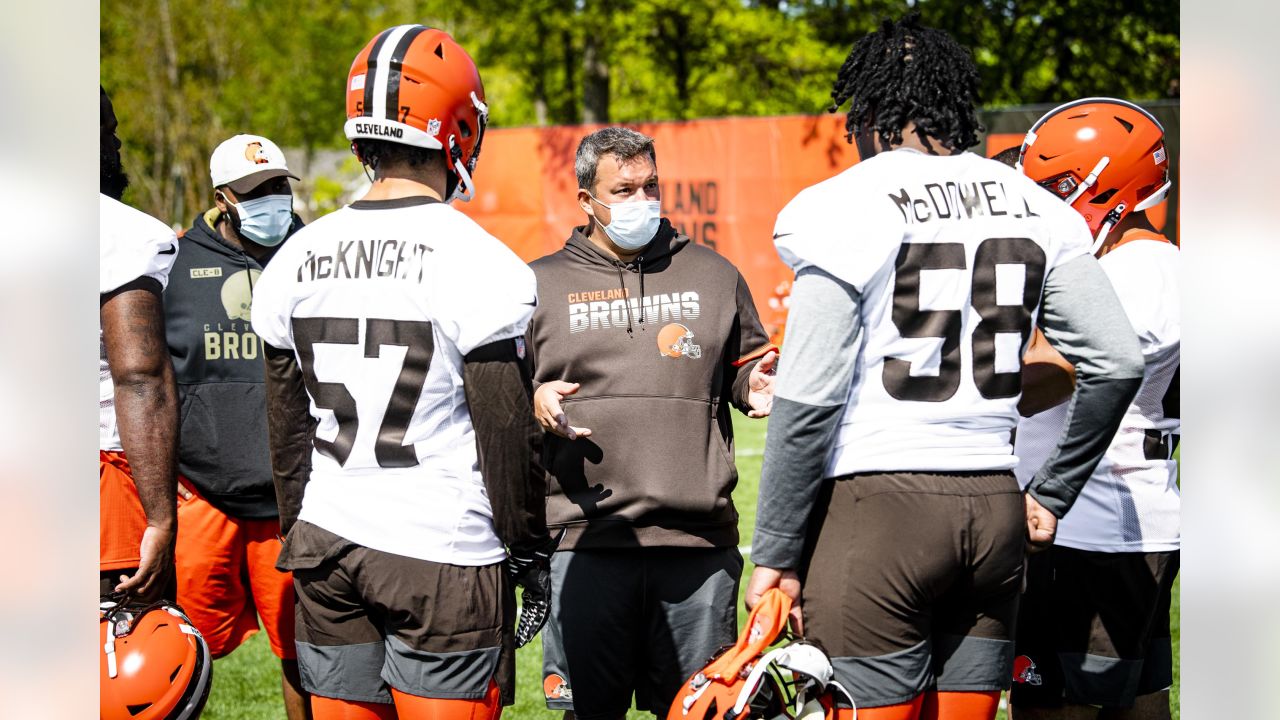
x: 530, y: 568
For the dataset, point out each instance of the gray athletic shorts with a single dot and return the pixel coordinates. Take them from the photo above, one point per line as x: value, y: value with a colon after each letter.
x: 369, y: 620
x: 640, y: 620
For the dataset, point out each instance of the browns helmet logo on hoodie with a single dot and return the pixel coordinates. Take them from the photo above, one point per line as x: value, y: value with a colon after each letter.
x: 676, y: 340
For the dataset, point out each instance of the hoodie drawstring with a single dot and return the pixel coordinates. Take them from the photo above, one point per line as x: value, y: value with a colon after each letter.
x: 640, y: 265
x: 622, y: 285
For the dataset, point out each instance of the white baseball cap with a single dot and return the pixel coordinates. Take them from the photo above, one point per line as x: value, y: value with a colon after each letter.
x: 246, y: 161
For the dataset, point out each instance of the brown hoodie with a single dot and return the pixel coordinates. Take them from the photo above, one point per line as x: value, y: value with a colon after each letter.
x: 661, y: 346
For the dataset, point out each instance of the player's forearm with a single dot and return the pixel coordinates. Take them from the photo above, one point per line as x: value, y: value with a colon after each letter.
x: 146, y: 398
x: 795, y: 454
x: 1083, y: 320
x: 814, y: 376
x: 508, y: 441
x: 291, y: 430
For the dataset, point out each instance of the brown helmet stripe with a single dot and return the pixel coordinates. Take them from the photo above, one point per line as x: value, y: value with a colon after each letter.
x: 371, y: 62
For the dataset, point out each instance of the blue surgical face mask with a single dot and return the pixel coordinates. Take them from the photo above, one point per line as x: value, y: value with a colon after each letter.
x: 633, y: 224
x: 265, y: 220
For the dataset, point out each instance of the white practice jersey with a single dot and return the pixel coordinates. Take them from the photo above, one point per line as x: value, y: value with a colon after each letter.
x: 949, y: 254
x: 1131, y: 502
x: 131, y: 245
x: 380, y: 301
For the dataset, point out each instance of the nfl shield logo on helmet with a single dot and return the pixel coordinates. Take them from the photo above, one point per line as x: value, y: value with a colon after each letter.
x: 433, y: 127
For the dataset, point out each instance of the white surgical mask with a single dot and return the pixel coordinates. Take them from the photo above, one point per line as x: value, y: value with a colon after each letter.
x: 633, y: 224
x: 266, y: 220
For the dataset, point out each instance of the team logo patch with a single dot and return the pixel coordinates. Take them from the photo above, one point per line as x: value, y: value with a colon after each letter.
x: 237, y: 294
x: 433, y: 127
x: 1024, y: 671
x: 676, y: 340
x: 254, y: 153
x: 556, y: 688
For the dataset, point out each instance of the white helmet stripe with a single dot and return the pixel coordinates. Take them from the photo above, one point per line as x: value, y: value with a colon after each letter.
x: 380, y: 66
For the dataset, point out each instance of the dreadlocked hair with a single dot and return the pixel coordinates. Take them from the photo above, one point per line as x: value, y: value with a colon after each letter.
x: 908, y: 73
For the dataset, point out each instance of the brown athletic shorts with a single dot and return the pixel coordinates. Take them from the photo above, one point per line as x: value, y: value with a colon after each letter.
x: 912, y: 581
x: 368, y: 620
x: 1094, y: 628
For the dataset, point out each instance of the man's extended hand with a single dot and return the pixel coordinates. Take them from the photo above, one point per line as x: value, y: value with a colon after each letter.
x: 760, y: 386
x: 530, y: 568
x: 763, y: 578
x: 154, y: 566
x: 1042, y: 525
x: 546, y: 407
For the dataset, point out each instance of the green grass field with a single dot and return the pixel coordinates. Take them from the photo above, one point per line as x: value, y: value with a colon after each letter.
x: 246, y: 684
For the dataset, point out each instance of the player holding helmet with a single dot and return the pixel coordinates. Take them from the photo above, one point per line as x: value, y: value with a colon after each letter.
x: 397, y: 321
x: 887, y: 501
x: 1095, y: 616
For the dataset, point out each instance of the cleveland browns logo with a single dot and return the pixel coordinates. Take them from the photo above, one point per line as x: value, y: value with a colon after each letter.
x: 254, y: 153
x: 1024, y: 671
x: 556, y: 688
x: 676, y: 340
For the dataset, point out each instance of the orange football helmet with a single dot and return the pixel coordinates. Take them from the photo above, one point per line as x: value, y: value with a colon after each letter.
x: 1106, y: 157
x: 154, y: 664
x: 414, y: 85
x: 794, y: 681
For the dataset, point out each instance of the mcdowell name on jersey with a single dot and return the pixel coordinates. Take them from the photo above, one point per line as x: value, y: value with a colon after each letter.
x: 958, y: 201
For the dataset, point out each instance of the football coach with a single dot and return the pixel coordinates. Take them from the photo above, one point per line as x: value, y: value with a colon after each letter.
x: 640, y: 343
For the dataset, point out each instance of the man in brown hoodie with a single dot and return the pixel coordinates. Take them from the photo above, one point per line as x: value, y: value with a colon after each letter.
x: 640, y: 343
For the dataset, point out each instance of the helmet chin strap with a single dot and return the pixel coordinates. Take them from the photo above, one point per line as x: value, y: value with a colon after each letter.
x: 1108, y: 222
x: 466, y: 189
x: 1089, y: 181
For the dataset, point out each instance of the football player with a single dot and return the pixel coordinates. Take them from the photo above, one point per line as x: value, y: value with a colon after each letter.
x: 137, y: 398
x: 1093, y: 632
x: 228, y: 526
x: 402, y: 434
x: 888, y: 504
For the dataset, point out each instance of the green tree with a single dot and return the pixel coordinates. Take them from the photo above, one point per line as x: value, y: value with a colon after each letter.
x: 185, y: 75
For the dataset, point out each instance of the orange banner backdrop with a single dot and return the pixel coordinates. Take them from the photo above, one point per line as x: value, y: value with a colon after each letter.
x: 723, y: 182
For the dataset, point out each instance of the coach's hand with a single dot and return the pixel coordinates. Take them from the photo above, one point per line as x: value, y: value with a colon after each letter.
x: 763, y: 579
x: 546, y: 407
x: 155, y: 565
x: 760, y: 385
x: 530, y: 568
x: 1042, y: 525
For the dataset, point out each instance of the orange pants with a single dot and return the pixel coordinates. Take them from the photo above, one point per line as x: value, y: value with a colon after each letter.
x: 121, y: 520
x: 227, y: 578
